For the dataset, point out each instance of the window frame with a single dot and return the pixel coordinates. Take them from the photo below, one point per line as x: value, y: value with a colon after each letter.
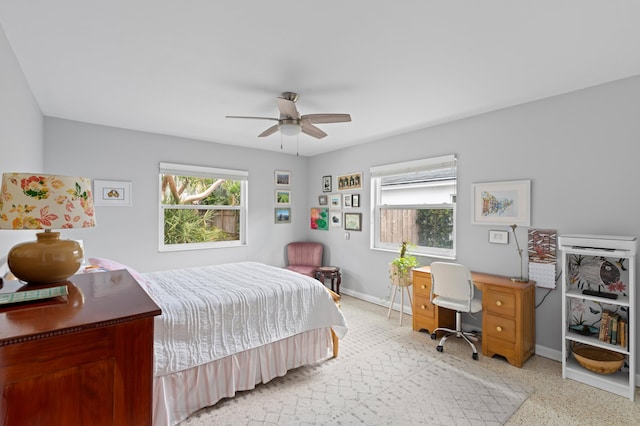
x: 376, y: 175
x: 203, y: 172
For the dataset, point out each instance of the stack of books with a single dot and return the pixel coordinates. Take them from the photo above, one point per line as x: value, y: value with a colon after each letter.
x: 613, y: 329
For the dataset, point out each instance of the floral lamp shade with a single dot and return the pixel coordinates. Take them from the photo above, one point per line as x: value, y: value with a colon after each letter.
x: 39, y: 201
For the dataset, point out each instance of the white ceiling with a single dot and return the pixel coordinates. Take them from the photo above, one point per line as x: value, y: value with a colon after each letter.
x: 177, y: 67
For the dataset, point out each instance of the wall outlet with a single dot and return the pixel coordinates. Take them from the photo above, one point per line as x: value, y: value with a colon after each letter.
x: 346, y: 235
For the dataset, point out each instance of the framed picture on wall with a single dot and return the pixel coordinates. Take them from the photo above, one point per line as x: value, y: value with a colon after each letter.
x: 346, y: 200
x: 111, y: 193
x: 355, y: 200
x: 326, y: 184
x: 335, y: 219
x: 350, y: 181
x: 283, y: 197
x: 283, y: 178
x: 323, y: 200
x: 353, y: 221
x: 282, y: 215
x: 501, y: 203
x: 335, y: 201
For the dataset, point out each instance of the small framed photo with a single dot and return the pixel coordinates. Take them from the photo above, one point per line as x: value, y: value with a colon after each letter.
x: 335, y: 201
x: 320, y: 219
x: 283, y: 178
x: 346, y: 200
x: 335, y: 219
x: 498, y: 237
x: 282, y: 215
x: 350, y: 181
x: 353, y: 221
x: 323, y: 200
x: 283, y: 197
x: 111, y: 193
x: 355, y: 200
x: 326, y: 184
x: 501, y: 203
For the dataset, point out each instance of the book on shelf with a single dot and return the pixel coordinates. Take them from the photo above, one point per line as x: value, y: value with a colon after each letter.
x: 613, y: 337
x: 604, y: 325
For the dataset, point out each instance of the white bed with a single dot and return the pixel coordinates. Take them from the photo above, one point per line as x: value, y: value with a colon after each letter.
x: 225, y: 328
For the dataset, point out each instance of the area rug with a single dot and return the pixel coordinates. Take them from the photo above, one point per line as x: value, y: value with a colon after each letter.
x: 384, y: 375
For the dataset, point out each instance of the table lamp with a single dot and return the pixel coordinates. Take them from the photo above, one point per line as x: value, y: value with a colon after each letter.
x: 40, y: 201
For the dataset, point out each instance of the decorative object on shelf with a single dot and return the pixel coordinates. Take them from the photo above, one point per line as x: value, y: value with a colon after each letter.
x: 353, y: 221
x: 39, y: 201
x: 282, y: 215
x: 596, y: 271
x: 350, y: 181
x: 501, y: 203
x: 320, y: 219
x: 283, y: 178
x: 598, y: 360
x: 584, y: 329
x: 521, y: 278
x: 111, y: 193
x: 401, y: 268
x: 326, y: 184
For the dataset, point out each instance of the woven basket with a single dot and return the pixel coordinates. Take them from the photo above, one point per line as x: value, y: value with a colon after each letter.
x: 598, y: 360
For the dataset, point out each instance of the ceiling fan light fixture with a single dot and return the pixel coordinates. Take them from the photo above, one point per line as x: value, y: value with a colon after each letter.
x: 289, y: 127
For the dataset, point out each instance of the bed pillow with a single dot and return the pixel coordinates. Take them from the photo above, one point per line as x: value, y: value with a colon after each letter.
x: 112, y: 265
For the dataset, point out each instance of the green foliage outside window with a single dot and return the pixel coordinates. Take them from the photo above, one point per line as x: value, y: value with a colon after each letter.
x: 435, y: 228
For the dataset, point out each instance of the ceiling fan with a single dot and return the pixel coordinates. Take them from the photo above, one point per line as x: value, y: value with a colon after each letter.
x: 291, y: 122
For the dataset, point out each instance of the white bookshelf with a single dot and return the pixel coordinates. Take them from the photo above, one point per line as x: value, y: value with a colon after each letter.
x: 593, y: 261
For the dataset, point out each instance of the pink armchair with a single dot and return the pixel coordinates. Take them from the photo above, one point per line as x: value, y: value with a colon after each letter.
x: 304, y: 257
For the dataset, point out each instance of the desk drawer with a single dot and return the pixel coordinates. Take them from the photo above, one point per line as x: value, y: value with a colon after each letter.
x: 421, y: 285
x: 499, y: 327
x: 500, y: 302
x: 423, y: 308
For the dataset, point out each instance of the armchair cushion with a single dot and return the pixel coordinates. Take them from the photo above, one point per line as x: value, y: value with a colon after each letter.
x: 304, y: 257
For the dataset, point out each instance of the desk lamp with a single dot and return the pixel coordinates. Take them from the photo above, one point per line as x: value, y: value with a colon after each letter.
x: 39, y: 201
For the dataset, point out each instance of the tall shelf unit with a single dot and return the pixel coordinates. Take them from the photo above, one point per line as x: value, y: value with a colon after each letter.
x: 595, y: 262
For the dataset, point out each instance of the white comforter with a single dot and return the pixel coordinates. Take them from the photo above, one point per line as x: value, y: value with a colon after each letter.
x: 211, y: 312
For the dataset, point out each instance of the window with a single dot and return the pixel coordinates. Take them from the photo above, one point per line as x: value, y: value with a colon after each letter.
x: 202, y: 207
x: 415, y: 202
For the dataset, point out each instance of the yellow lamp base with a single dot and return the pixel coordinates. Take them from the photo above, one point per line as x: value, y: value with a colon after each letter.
x: 47, y: 260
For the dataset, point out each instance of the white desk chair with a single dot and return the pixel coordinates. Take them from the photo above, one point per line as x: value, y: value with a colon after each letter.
x: 452, y: 288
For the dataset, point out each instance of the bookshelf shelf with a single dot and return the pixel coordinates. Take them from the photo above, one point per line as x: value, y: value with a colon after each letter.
x: 599, y: 263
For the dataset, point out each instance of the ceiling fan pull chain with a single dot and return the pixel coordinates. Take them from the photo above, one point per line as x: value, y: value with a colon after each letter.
x: 297, y: 145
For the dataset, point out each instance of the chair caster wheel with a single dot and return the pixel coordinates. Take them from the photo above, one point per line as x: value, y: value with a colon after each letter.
x: 434, y: 336
x: 439, y: 348
x: 475, y: 356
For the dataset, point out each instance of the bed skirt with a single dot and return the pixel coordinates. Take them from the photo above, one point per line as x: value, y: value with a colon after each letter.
x: 176, y: 396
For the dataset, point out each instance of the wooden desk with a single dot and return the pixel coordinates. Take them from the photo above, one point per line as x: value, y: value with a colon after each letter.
x: 84, y: 358
x: 508, y: 314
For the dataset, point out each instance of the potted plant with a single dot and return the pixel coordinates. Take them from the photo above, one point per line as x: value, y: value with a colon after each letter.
x: 401, y: 268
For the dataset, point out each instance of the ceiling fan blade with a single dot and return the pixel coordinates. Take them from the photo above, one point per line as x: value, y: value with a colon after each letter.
x: 326, y: 118
x: 271, y: 130
x: 312, y: 130
x: 287, y: 108
x: 253, y: 118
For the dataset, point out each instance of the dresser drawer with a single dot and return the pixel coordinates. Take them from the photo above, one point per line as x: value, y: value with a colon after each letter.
x: 500, y: 302
x: 500, y: 328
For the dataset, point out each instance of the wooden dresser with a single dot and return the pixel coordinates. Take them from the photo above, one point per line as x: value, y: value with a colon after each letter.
x: 84, y: 358
x: 508, y: 314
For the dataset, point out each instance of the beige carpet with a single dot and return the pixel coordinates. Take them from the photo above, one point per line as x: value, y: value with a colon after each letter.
x: 385, y: 375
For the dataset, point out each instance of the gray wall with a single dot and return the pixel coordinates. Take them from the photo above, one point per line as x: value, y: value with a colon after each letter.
x: 130, y: 234
x: 580, y: 151
x: 21, y: 130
